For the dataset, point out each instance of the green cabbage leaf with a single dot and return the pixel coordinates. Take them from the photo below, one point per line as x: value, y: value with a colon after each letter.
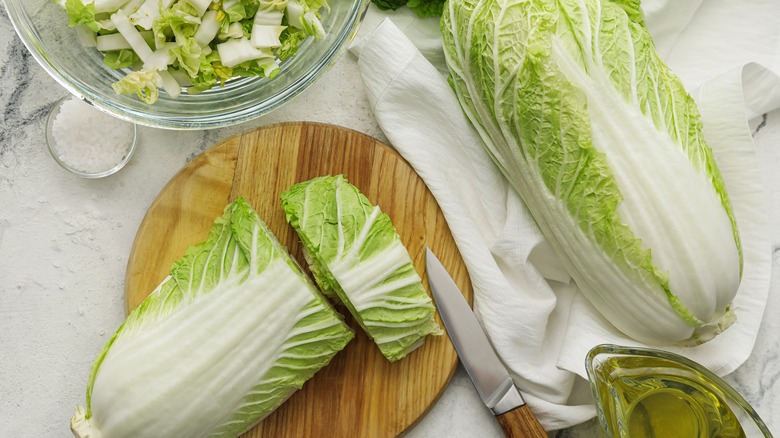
x: 356, y: 257
x: 81, y: 13
x: 423, y: 8
x: 605, y: 146
x: 225, y: 339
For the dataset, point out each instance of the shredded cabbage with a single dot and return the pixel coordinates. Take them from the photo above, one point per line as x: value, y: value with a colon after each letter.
x: 208, y: 43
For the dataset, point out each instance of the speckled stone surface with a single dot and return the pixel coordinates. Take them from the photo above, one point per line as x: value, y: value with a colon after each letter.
x: 64, y: 244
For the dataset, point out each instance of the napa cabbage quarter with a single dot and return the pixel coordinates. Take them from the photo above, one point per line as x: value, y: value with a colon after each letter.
x: 605, y: 147
x: 357, y: 257
x: 225, y: 339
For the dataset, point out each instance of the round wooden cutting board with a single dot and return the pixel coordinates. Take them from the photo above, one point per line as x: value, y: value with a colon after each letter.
x: 360, y: 393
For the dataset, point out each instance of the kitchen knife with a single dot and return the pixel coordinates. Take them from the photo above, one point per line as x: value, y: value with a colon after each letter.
x: 490, y: 377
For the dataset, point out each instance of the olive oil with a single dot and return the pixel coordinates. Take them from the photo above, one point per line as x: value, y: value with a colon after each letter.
x: 661, y: 396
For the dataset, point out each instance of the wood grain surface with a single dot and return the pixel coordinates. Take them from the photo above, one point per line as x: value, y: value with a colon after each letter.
x: 521, y: 423
x: 360, y: 393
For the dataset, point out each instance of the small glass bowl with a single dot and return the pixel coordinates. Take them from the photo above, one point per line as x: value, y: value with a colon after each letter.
x: 642, y: 392
x: 130, y: 141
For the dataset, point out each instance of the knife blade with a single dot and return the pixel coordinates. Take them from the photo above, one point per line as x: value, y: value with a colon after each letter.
x: 491, y: 379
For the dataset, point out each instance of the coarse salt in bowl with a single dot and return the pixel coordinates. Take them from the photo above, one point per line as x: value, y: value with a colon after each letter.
x: 86, y: 141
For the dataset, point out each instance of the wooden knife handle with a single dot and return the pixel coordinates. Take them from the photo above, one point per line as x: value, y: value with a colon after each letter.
x: 521, y: 423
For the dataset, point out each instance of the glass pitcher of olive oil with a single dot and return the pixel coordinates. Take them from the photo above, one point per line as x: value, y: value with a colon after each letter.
x: 646, y: 393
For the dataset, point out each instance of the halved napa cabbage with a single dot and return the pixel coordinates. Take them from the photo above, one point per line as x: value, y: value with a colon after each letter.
x: 225, y: 339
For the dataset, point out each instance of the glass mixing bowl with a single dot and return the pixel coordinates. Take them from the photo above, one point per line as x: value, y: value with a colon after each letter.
x: 43, y: 27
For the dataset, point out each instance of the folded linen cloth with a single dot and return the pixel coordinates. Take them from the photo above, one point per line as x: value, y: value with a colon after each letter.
x: 538, y: 323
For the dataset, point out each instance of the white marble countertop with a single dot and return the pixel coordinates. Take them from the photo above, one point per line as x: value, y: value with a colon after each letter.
x: 64, y: 244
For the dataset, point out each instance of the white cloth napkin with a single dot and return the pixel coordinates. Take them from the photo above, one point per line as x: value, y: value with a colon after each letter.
x: 539, y: 324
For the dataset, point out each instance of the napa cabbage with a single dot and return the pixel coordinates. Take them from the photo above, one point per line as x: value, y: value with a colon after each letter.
x: 225, y: 339
x: 605, y: 146
x: 357, y: 258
